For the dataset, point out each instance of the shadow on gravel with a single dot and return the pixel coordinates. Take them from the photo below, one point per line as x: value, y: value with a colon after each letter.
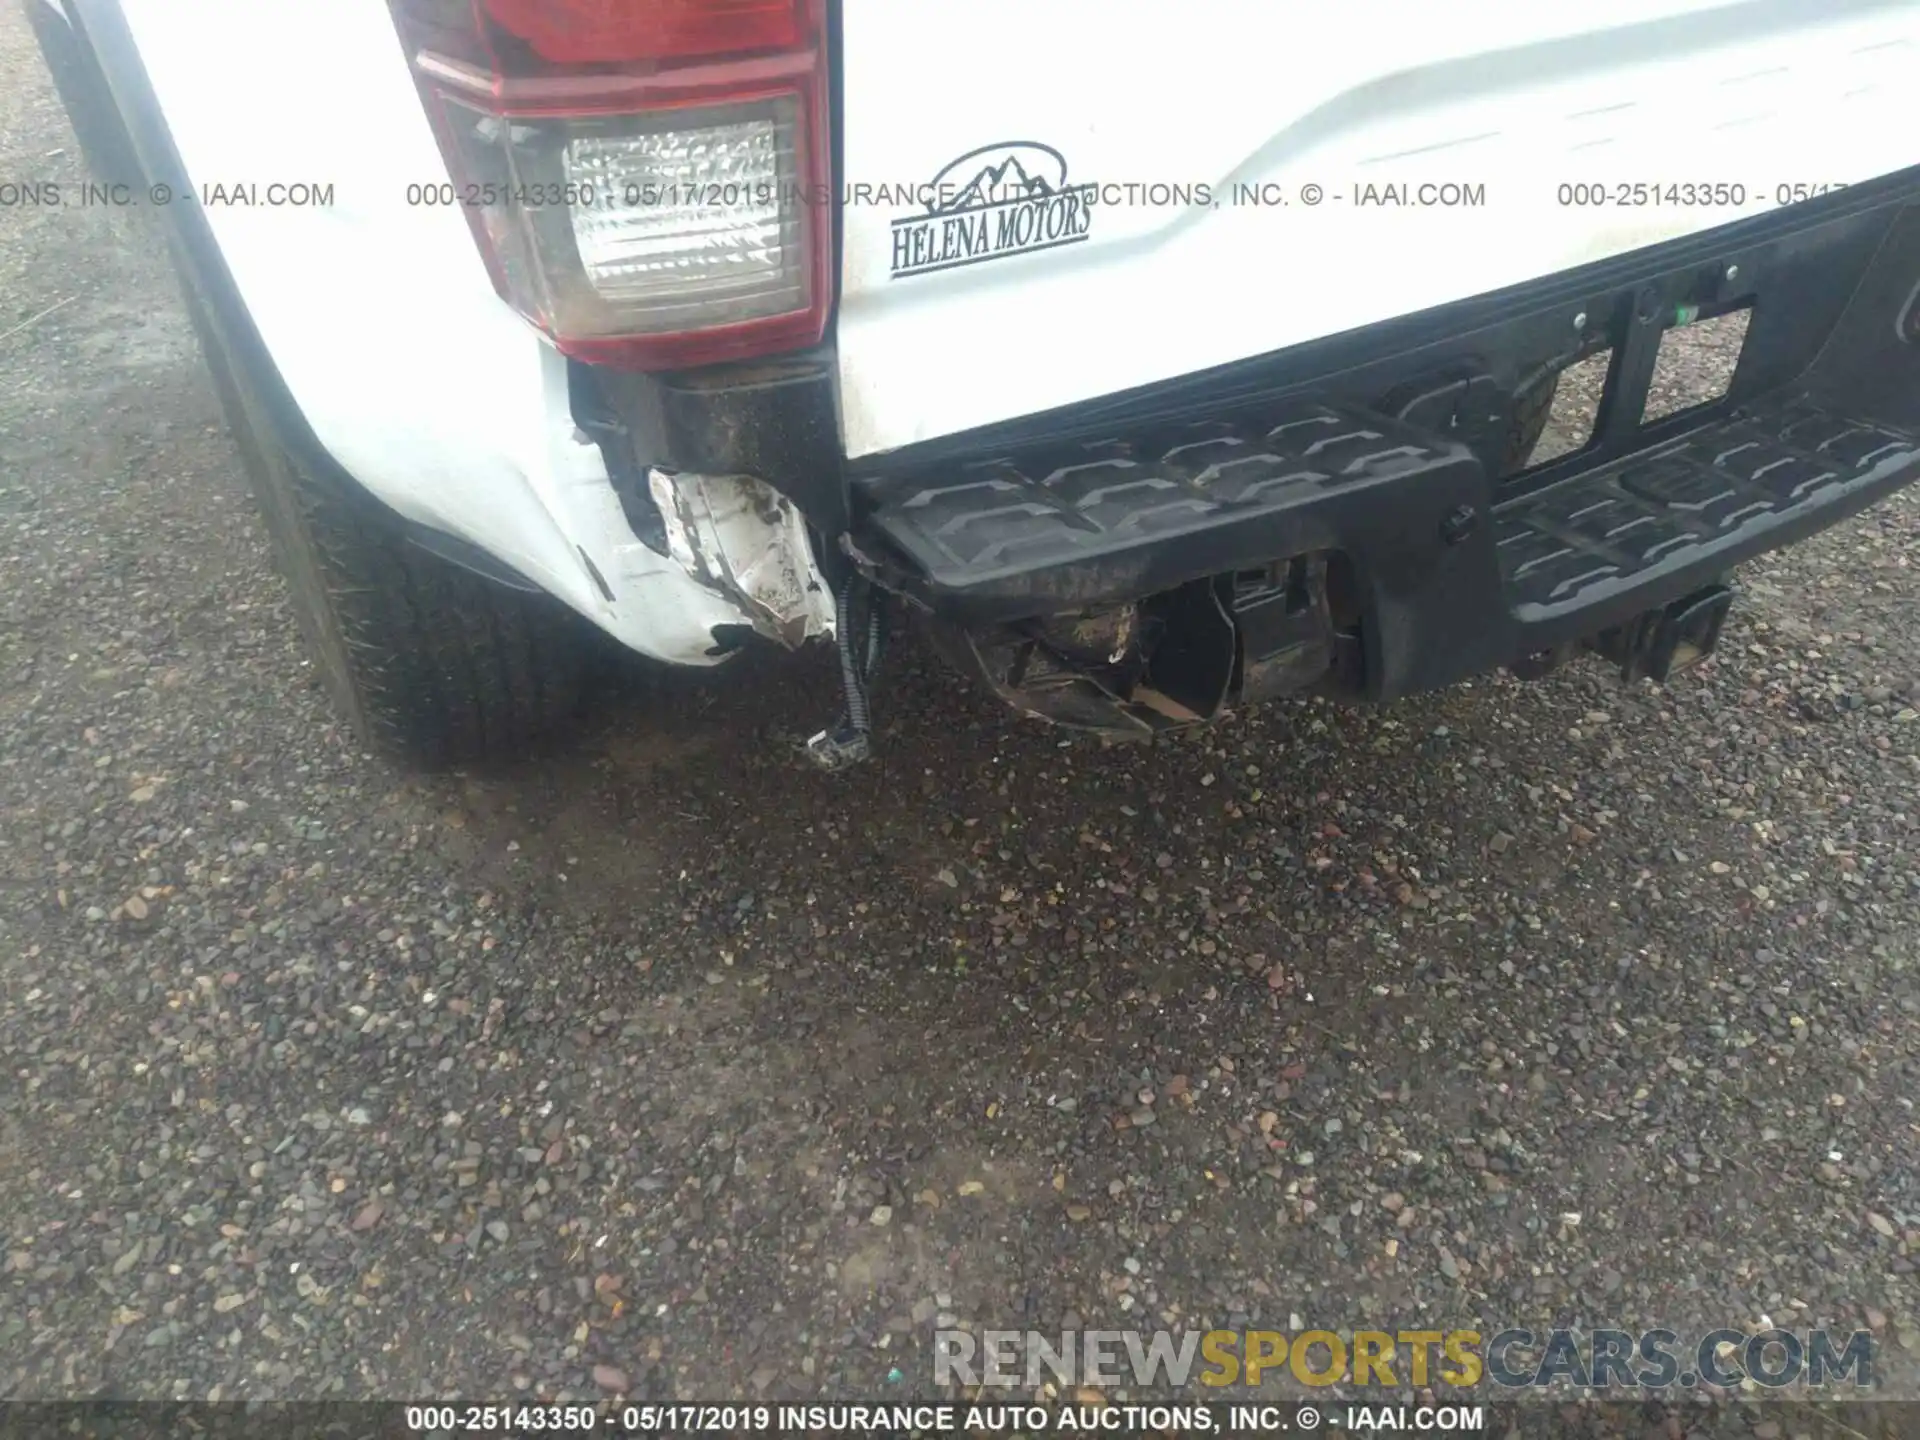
x: 1449, y: 1009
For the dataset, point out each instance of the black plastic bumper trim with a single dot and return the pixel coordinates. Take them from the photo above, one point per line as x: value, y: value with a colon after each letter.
x: 1623, y: 540
x: 1456, y: 571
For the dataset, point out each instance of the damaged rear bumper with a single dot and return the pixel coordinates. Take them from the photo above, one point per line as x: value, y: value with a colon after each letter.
x: 1340, y: 515
x: 746, y: 542
x: 1356, y: 529
x: 1397, y: 570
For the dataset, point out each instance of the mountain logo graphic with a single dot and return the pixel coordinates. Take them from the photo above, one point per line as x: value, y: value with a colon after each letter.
x: 998, y: 176
x: 1003, y: 199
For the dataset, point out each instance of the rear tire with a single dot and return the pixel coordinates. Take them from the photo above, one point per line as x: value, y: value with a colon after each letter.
x: 435, y: 665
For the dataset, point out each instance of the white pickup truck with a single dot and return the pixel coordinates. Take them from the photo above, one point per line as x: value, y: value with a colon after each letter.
x: 1160, y: 358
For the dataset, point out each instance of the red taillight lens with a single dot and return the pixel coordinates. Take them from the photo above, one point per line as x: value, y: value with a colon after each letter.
x: 596, y: 32
x: 648, y: 179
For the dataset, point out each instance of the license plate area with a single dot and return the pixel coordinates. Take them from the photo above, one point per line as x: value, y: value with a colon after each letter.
x: 1651, y: 362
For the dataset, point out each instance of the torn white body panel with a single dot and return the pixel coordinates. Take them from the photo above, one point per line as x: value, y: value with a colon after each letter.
x: 379, y: 313
x: 745, y: 541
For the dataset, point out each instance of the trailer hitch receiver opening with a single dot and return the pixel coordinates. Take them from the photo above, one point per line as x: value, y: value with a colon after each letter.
x: 1662, y: 643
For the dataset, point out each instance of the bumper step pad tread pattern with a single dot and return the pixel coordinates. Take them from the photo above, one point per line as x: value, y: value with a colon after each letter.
x: 1067, y: 506
x: 1062, y: 526
x: 1617, y: 528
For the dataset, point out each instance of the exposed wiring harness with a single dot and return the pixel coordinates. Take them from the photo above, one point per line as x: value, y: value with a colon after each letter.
x: 849, y: 740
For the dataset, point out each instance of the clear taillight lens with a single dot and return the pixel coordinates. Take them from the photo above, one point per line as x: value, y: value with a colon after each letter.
x: 652, y: 215
x: 607, y: 226
x: 701, y: 222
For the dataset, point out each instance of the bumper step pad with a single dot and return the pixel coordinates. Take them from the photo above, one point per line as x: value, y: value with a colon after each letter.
x: 1071, y: 528
x: 1073, y: 520
x: 1725, y: 488
x: 1434, y: 564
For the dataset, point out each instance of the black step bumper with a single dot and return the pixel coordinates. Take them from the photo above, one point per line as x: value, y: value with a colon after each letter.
x: 1376, y: 451
x: 1637, y: 534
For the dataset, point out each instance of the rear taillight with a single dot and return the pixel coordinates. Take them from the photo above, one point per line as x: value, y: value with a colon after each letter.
x: 648, y: 179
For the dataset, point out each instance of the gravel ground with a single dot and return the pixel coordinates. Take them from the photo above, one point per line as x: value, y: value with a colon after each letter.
x: 669, y: 1067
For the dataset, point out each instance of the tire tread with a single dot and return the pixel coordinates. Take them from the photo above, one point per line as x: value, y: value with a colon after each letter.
x: 435, y: 665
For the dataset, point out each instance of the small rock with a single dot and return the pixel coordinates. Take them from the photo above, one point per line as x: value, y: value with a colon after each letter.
x: 1077, y: 1213
x: 608, y: 1378
x: 882, y: 1215
x: 1881, y: 1225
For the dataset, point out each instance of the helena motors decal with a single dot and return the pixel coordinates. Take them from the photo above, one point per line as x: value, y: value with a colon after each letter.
x: 1006, y: 199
